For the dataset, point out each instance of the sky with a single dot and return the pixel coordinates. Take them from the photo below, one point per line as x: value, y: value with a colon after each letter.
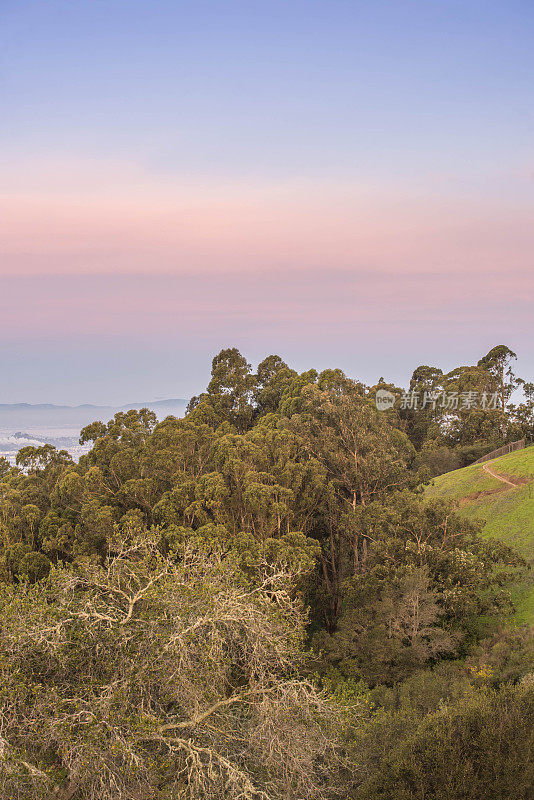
x: 342, y: 182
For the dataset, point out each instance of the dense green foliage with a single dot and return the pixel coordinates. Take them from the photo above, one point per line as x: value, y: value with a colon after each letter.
x: 479, y: 746
x: 283, y: 517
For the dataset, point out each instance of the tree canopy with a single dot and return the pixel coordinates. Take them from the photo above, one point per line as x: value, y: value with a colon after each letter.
x: 224, y: 605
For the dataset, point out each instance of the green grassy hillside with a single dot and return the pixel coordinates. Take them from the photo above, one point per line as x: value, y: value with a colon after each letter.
x: 506, y: 510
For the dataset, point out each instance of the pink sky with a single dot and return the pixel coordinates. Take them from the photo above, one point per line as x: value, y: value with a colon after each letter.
x: 105, y: 259
x: 101, y: 217
x: 344, y: 183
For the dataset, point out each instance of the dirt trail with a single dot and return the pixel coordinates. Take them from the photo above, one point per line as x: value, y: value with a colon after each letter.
x: 496, y: 475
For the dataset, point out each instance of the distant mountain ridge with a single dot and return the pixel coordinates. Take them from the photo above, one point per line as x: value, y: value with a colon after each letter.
x: 90, y: 406
x: 25, y: 424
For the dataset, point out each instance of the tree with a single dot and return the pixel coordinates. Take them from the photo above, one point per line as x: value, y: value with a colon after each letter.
x: 424, y: 580
x: 523, y: 413
x: 151, y: 677
x: 273, y: 379
x: 231, y: 389
x: 423, y: 422
x: 361, y: 456
x: 480, y: 746
x: 498, y: 364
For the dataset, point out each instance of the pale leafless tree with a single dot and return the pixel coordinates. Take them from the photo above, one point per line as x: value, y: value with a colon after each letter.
x: 157, y: 678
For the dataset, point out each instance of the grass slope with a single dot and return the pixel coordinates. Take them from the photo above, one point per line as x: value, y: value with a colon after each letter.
x: 507, y: 511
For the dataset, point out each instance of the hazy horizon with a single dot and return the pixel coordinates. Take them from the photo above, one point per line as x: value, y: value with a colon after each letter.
x: 400, y: 375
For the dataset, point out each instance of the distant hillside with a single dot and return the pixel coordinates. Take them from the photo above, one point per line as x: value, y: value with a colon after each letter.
x: 170, y: 403
x: 501, y: 493
x: 22, y: 424
x: 43, y: 416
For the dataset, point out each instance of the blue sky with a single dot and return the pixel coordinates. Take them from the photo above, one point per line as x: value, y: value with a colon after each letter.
x: 198, y: 139
x: 272, y: 88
